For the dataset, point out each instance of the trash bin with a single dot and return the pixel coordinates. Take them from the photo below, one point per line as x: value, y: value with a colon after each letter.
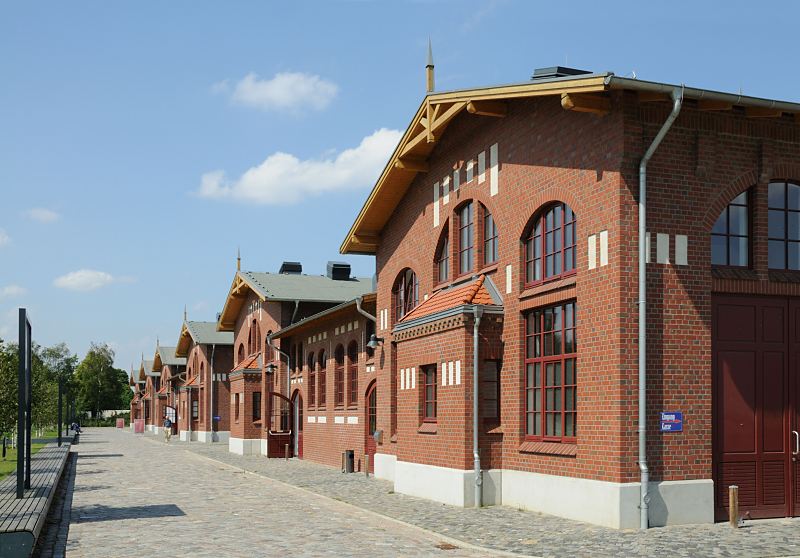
x: 348, y: 461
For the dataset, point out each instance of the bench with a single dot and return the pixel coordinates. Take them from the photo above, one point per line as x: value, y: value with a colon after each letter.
x: 21, y: 520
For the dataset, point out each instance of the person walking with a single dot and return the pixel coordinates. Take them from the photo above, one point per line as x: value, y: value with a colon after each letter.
x: 167, y: 429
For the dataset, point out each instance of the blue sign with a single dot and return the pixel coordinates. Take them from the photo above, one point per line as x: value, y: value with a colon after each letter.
x: 672, y: 422
x: 217, y: 418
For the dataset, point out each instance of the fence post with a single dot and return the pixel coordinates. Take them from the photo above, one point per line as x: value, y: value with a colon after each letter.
x: 733, y: 506
x: 286, y: 452
x: 366, y: 465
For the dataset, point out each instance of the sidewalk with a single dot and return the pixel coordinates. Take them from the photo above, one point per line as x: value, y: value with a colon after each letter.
x: 507, y: 529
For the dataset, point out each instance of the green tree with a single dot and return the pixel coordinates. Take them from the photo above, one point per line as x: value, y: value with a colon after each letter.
x: 97, y: 384
x: 8, y: 387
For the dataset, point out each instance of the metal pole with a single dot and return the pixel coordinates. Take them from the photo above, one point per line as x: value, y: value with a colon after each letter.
x: 60, y: 404
x: 29, y: 402
x: 21, y: 406
x: 476, y: 454
x: 366, y: 465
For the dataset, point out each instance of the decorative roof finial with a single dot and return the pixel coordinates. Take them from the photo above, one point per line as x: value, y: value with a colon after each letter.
x: 158, y: 344
x: 184, y: 313
x: 238, y: 259
x: 429, y: 70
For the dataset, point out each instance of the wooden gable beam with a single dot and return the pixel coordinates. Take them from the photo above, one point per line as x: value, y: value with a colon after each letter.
x: 708, y: 104
x: 488, y: 108
x: 652, y: 97
x: 414, y: 164
x: 762, y: 112
x: 438, y: 123
x: 594, y: 104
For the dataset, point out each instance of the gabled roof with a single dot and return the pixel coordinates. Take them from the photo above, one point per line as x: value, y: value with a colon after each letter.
x: 367, y: 301
x: 288, y: 287
x: 580, y: 93
x: 194, y: 382
x: 163, y: 391
x: 479, y: 291
x: 146, y: 369
x: 201, y: 333
x: 166, y: 356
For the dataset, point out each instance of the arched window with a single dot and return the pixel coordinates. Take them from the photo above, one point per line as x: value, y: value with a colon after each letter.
x: 784, y: 225
x: 321, y: 377
x: 312, y: 380
x: 466, y: 238
x: 490, y: 243
x: 269, y: 355
x: 730, y: 237
x: 240, y: 354
x: 338, y: 376
x: 442, y: 259
x: 405, y: 293
x: 352, y: 373
x: 550, y: 245
x: 256, y: 329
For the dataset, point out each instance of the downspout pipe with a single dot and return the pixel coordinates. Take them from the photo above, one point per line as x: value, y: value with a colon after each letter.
x: 363, y: 312
x: 288, y: 364
x: 476, y: 454
x: 211, y: 394
x: 677, y: 97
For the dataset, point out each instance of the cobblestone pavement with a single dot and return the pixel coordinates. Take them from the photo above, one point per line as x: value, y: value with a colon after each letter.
x: 508, y: 529
x: 133, y: 497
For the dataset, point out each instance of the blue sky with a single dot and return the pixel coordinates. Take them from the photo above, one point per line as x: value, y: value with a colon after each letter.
x: 141, y: 143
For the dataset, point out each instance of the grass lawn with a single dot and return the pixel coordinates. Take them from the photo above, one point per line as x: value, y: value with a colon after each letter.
x: 10, y: 464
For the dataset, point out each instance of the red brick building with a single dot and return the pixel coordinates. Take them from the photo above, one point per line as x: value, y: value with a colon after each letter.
x: 332, y: 379
x: 150, y: 383
x: 209, y: 357
x: 506, y: 232
x: 170, y: 369
x: 258, y: 305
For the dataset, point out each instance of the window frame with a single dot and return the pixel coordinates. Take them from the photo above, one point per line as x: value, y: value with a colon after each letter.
x: 728, y: 236
x: 429, y: 378
x: 492, y: 241
x: 321, y: 380
x: 312, y: 380
x: 256, y: 406
x: 352, y: 374
x: 442, y: 258
x: 498, y: 367
x: 787, y: 211
x: 236, y: 406
x: 531, y: 238
x: 470, y: 250
x: 405, y: 293
x: 338, y: 376
x: 533, y: 382
x: 195, y: 409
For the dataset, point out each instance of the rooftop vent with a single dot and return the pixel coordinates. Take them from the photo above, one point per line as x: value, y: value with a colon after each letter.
x: 556, y: 71
x: 338, y: 271
x: 291, y: 268
x: 219, y: 315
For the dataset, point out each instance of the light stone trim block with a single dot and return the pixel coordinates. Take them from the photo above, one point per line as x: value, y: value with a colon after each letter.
x: 312, y: 419
x: 352, y: 420
x: 435, y: 205
x: 470, y: 169
x: 591, y: 249
x: 456, y: 179
x: 493, y: 170
x: 481, y: 167
x: 509, y: 271
x: 458, y: 372
x: 338, y: 420
x: 662, y: 248
x: 413, y: 378
x: 603, y: 248
x: 681, y: 249
x: 322, y: 420
x: 384, y: 466
x: 242, y: 446
x: 450, y: 373
x: 446, y: 190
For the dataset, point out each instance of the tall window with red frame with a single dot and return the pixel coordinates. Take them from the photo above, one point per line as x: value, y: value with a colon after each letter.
x: 466, y: 238
x: 338, y: 376
x: 321, y: 378
x: 550, y: 245
x: 352, y: 373
x: 551, y: 369
x: 490, y: 239
x: 443, y: 258
x: 312, y: 381
x: 429, y: 393
x: 406, y: 293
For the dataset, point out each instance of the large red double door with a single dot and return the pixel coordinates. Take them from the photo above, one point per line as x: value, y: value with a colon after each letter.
x: 756, y: 358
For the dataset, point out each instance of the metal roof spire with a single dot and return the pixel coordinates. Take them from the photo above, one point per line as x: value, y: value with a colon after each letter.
x: 185, y: 318
x: 238, y: 259
x: 429, y: 82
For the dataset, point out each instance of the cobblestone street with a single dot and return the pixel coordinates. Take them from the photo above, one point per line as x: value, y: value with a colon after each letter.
x: 507, y: 529
x: 134, y: 497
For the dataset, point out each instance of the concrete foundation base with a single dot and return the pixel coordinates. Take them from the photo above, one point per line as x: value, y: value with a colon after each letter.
x: 241, y: 446
x: 209, y: 437
x: 608, y: 504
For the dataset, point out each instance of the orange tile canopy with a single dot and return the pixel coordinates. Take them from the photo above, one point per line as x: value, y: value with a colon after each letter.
x: 471, y: 293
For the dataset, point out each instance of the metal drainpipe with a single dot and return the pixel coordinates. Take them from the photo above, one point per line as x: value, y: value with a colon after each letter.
x: 677, y: 96
x: 364, y: 312
x: 476, y: 454
x: 211, y: 394
x: 288, y: 378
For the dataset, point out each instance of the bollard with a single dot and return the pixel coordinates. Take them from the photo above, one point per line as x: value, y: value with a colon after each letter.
x: 366, y: 465
x: 733, y: 506
x: 286, y: 452
x: 4, y: 448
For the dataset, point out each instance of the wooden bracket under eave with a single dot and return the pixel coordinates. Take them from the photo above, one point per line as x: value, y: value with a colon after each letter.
x: 594, y: 104
x: 413, y: 164
x: 488, y: 108
x: 762, y: 112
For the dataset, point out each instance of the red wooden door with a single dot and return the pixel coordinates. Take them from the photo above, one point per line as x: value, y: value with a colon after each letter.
x: 751, y: 359
x: 371, y: 409
x: 298, y: 425
x: 794, y: 405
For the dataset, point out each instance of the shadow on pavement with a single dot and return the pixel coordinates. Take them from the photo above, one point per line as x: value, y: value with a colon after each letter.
x: 93, y: 455
x: 90, y: 514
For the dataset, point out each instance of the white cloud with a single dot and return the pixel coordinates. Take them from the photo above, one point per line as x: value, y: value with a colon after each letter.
x: 42, y: 215
x: 84, y: 280
x: 291, y: 91
x: 283, y: 179
x: 4, y: 238
x: 11, y: 291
